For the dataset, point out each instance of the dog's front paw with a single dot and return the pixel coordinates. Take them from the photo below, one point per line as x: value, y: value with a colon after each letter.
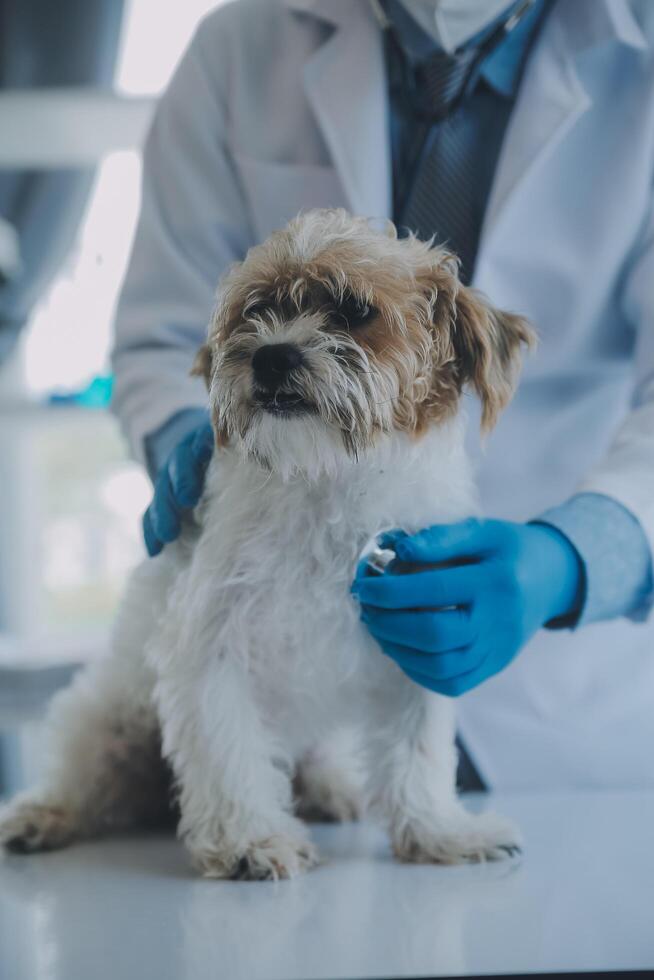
x: 270, y: 858
x: 29, y: 825
x: 464, y: 839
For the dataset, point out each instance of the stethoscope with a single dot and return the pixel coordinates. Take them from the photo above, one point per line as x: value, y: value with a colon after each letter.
x: 412, y: 103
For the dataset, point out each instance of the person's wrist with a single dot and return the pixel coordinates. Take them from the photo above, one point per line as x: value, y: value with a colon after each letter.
x: 563, y: 575
x: 160, y: 444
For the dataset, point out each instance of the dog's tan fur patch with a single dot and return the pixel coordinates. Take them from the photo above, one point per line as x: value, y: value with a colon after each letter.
x: 426, y: 337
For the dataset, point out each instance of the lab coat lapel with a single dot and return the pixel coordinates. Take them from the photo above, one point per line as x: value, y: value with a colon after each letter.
x: 346, y: 88
x: 552, y: 97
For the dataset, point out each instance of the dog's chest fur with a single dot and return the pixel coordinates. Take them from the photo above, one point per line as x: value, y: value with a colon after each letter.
x: 275, y: 560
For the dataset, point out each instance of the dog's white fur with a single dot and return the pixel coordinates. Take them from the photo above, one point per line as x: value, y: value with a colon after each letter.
x: 239, y: 655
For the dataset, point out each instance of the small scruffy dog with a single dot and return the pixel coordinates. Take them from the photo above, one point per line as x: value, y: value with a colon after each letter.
x: 335, y: 362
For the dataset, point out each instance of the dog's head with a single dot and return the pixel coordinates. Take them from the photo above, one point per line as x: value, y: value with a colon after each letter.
x: 332, y: 333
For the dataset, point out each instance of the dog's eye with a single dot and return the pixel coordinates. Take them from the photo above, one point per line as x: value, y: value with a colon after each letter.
x: 353, y: 312
x: 255, y: 310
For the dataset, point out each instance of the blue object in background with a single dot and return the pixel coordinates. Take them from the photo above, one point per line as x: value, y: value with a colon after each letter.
x: 97, y: 394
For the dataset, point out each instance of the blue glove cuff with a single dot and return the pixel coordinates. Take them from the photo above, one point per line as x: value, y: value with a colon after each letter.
x: 576, y: 571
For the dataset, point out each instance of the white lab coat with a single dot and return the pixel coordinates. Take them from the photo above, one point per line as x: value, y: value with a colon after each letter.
x: 280, y: 105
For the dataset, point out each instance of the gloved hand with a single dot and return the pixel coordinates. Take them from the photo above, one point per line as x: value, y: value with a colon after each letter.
x: 178, y: 487
x: 451, y: 628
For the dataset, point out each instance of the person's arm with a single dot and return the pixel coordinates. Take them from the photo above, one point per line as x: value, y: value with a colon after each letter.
x: 193, y: 223
x: 586, y: 560
x: 626, y: 472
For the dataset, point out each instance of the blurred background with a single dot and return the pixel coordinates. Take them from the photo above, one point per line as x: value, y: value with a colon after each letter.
x: 78, y: 83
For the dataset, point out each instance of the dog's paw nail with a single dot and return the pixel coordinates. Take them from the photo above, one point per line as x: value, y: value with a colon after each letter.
x: 242, y: 869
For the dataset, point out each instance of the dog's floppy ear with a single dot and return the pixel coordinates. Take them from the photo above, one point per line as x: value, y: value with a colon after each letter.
x: 202, y: 365
x: 473, y: 342
x: 487, y: 345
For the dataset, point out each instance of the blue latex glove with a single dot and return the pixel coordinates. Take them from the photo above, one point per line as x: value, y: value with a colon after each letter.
x: 516, y: 578
x: 178, y: 487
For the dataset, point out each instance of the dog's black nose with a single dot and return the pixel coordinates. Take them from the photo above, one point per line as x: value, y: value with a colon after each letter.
x: 272, y: 363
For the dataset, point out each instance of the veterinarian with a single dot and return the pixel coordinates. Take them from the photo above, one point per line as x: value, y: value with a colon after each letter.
x: 523, y: 135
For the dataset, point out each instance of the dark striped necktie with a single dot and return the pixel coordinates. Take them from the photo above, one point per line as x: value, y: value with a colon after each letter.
x: 439, y: 200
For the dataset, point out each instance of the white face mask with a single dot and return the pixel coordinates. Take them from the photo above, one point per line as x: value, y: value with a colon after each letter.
x: 452, y: 22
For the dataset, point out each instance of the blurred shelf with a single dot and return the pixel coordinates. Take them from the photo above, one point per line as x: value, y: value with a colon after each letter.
x: 31, y: 671
x: 31, y: 409
x: 69, y: 127
x: 26, y: 691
